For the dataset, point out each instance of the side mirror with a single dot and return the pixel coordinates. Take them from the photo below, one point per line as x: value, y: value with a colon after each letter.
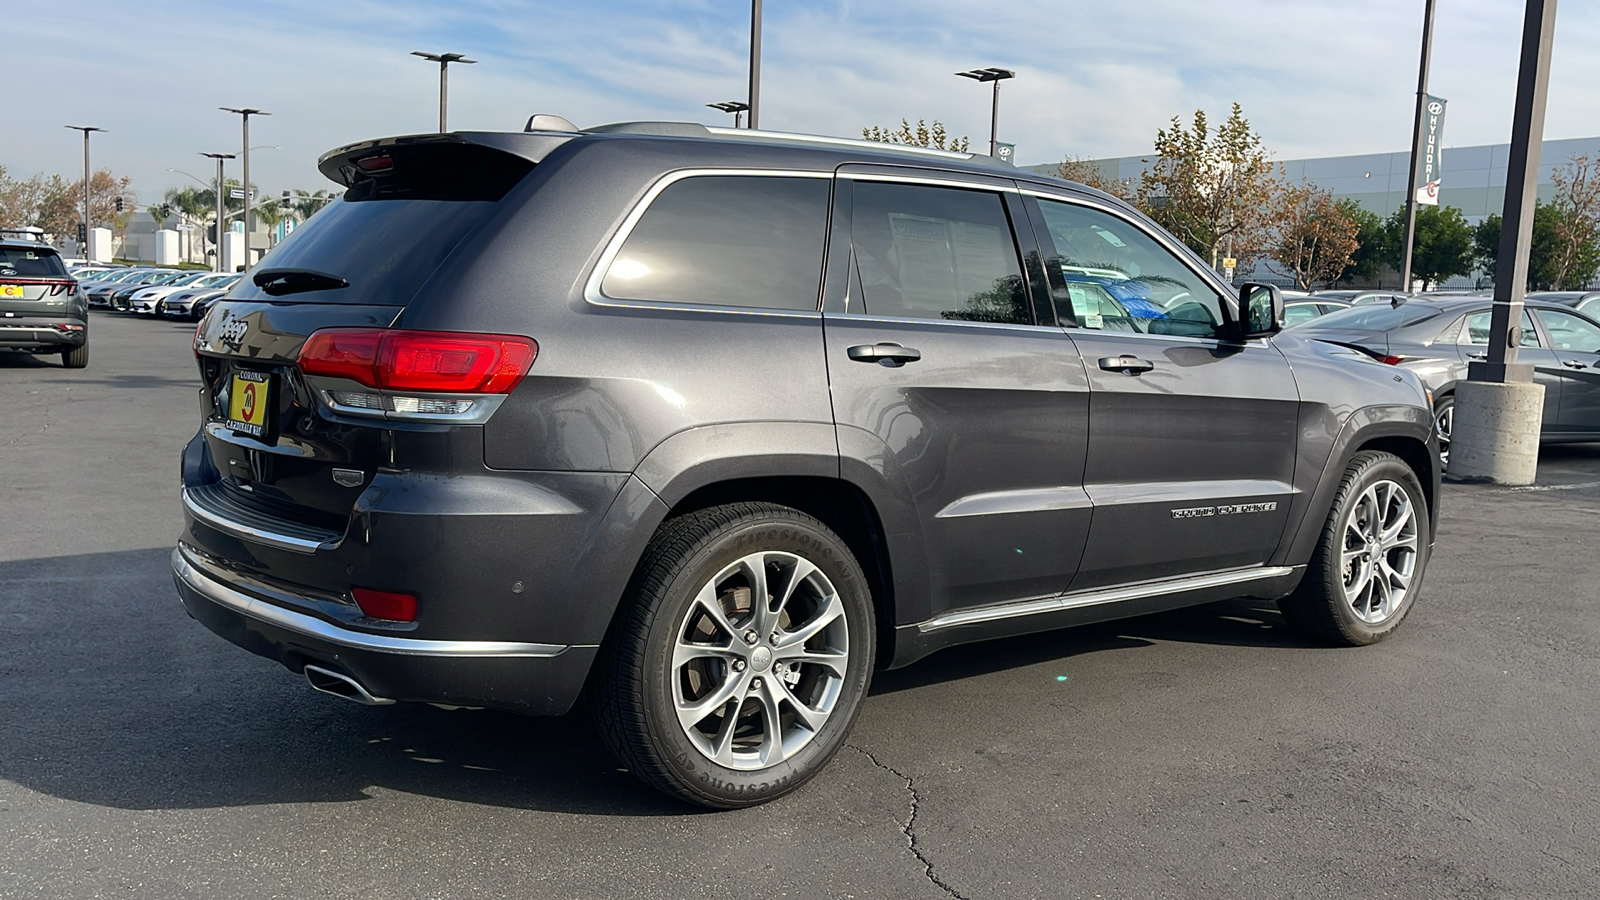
x: 1260, y: 310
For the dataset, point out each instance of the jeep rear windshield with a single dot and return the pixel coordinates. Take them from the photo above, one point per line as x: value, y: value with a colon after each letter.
x: 19, y: 262
x: 390, y: 231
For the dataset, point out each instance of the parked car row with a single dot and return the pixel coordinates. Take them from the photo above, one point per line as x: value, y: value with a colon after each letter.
x: 1436, y: 336
x: 170, y: 293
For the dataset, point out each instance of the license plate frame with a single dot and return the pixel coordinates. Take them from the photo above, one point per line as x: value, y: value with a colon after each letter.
x: 250, y: 396
x: 13, y: 292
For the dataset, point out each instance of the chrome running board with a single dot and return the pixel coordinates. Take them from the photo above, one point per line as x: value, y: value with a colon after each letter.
x: 1098, y: 596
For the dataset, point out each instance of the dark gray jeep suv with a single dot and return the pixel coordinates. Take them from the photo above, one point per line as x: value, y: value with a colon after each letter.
x: 711, y: 424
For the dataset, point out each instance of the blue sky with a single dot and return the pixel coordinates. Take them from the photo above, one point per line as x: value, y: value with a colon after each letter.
x: 1094, y: 78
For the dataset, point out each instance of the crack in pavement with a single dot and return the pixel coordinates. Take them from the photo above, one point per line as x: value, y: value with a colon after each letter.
x: 909, y: 828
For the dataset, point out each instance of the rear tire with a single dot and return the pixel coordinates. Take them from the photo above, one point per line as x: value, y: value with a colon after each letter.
x: 77, y: 357
x: 1444, y: 417
x: 741, y: 659
x: 1363, y: 578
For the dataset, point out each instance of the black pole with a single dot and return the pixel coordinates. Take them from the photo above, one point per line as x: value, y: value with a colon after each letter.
x: 1417, y: 132
x: 755, y: 62
x: 1522, y: 191
x: 994, y: 121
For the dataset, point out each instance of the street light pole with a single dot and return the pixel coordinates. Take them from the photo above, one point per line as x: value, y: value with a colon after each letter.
x: 996, y: 76
x: 1417, y: 132
x: 219, y: 157
x: 1499, y: 408
x: 444, y: 60
x: 755, y: 63
x: 731, y: 106
x: 245, y: 115
x: 85, y: 129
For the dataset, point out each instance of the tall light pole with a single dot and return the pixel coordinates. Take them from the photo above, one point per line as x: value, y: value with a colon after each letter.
x: 1499, y: 408
x: 731, y: 106
x: 85, y: 129
x: 755, y: 62
x: 219, y: 157
x: 244, y: 115
x: 444, y: 60
x: 996, y: 76
x: 1417, y: 132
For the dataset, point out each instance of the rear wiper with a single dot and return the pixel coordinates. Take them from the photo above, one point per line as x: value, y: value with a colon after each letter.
x: 279, y: 282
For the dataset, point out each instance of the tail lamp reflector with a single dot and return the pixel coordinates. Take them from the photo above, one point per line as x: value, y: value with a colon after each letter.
x: 445, y: 362
x: 391, y: 605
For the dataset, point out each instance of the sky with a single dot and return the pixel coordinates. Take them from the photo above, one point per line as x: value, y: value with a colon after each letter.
x: 1094, y: 79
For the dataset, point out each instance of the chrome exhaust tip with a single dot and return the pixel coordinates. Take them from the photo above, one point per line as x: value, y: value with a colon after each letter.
x: 343, y: 686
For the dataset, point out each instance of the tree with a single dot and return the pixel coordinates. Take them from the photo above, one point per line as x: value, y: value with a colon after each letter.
x: 1373, y: 249
x: 1087, y: 172
x: 61, y: 203
x: 1316, y: 236
x: 1213, y: 190
x: 1576, y: 204
x: 924, y: 135
x: 19, y: 199
x: 1442, y: 244
x: 1549, y: 265
x: 305, y: 204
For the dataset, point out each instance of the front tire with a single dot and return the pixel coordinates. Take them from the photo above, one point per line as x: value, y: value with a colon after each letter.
x: 742, y: 659
x: 1364, y: 575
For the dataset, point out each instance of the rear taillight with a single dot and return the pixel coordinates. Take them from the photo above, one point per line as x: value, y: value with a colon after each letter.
x: 391, y: 605
x: 436, y: 362
x: 1391, y: 360
x: 58, y: 288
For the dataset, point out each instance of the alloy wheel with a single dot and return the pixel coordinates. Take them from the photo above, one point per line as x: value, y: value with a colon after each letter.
x: 759, y: 660
x: 1443, y: 420
x: 1379, y: 556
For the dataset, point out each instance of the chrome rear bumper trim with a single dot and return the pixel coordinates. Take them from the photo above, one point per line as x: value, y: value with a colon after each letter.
x: 316, y: 628
x: 214, y: 518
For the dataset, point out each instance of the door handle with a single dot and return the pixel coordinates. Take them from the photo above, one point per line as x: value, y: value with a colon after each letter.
x: 1574, y: 364
x: 1127, y: 365
x: 1477, y: 356
x: 887, y: 354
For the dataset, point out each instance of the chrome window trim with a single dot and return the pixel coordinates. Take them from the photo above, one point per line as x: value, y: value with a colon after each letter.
x: 1100, y: 596
x: 951, y: 180
x: 1177, y: 252
x: 947, y: 323
x: 313, y: 627
x: 591, y: 288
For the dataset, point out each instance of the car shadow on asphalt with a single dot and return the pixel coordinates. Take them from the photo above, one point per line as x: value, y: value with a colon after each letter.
x: 114, y: 697
x: 110, y: 695
x: 1242, y: 622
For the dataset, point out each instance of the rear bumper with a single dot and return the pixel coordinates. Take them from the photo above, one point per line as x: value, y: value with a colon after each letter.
x: 539, y: 679
x: 43, y: 333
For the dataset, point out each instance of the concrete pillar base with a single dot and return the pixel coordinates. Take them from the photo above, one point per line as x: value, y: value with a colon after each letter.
x: 1495, y: 435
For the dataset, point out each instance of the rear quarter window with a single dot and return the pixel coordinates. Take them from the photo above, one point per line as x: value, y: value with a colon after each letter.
x: 727, y: 240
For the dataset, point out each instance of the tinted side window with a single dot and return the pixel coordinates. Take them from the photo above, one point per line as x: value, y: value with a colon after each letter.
x: 1151, y: 290
x: 1570, y: 332
x: 1477, y: 330
x: 937, y: 253
x: 727, y: 240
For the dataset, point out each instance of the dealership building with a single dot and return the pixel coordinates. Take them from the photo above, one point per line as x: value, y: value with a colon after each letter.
x: 1473, y: 178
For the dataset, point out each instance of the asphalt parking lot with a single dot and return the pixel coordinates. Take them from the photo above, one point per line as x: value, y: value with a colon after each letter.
x: 1198, y: 754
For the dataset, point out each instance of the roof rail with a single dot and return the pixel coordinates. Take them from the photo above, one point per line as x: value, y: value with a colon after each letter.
x: 666, y: 129
x: 694, y: 129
